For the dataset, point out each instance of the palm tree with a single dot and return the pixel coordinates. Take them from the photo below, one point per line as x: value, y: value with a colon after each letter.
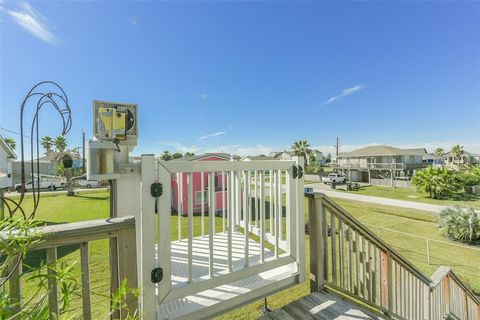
x: 437, y: 182
x: 11, y: 143
x: 188, y: 154
x: 301, y: 148
x: 166, y: 155
x: 47, y: 144
x: 57, y: 151
x: 439, y: 152
x: 457, y: 151
x: 60, y: 143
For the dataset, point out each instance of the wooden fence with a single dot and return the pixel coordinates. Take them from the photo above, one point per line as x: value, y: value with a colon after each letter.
x: 346, y: 256
x: 120, y: 231
x: 405, y: 184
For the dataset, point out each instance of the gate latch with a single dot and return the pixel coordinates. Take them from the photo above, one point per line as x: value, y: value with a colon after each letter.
x: 157, y: 275
x: 156, y: 189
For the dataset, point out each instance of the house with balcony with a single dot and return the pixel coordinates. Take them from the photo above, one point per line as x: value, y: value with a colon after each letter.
x: 467, y: 158
x: 7, y: 156
x: 381, y: 164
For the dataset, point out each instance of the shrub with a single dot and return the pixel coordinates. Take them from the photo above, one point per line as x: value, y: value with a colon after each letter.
x: 470, y: 179
x: 313, y: 169
x: 438, y: 182
x: 462, y: 224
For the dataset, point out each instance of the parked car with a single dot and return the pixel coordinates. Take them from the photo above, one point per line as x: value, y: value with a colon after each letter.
x: 335, y: 178
x: 89, y: 183
x: 49, y: 184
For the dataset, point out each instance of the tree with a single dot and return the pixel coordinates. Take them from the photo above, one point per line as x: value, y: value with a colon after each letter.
x: 166, y: 155
x: 177, y: 155
x: 437, y: 182
x: 60, y: 143
x: 47, y: 144
x: 189, y: 154
x: 57, y: 152
x: 457, y: 151
x: 301, y: 148
x: 439, y: 152
x: 11, y: 143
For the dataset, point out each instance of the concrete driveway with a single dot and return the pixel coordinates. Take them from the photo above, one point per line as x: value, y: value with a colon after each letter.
x: 326, y: 189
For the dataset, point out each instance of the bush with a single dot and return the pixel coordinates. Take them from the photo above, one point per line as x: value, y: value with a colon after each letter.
x: 461, y: 224
x: 470, y: 179
x: 314, y: 169
x: 439, y: 183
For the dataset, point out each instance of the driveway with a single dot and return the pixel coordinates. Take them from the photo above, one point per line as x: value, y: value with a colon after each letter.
x: 320, y: 187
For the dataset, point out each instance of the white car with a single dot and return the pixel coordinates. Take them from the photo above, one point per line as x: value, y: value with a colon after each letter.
x: 49, y: 184
x: 335, y: 178
x: 88, y: 183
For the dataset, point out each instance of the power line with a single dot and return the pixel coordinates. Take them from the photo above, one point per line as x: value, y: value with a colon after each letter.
x: 17, y: 133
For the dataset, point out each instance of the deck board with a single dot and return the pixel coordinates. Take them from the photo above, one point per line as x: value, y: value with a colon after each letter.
x: 324, y: 306
x: 187, y: 307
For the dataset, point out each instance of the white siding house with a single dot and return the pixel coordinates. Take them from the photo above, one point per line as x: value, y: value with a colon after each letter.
x: 7, y: 156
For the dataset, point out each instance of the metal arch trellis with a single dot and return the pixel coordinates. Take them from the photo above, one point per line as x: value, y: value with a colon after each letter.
x: 48, y: 93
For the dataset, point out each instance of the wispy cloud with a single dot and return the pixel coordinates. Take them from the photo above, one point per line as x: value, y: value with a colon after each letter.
x: 133, y: 21
x: 213, y: 134
x: 32, y: 21
x: 345, y: 92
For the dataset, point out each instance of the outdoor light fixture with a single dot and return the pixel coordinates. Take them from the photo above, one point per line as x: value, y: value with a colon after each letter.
x: 115, y: 130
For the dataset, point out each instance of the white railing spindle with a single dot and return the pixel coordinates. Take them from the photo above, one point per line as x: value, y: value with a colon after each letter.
x: 224, y: 200
x: 202, y: 201
x: 262, y: 216
x: 211, y: 218
x: 190, y: 226
x: 180, y: 203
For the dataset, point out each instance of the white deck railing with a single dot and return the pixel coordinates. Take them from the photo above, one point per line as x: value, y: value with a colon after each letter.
x: 251, y: 221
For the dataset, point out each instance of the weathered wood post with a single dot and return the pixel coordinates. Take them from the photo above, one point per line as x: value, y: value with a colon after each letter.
x: 316, y: 242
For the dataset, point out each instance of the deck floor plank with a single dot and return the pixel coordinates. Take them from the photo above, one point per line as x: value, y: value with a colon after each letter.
x: 321, y: 306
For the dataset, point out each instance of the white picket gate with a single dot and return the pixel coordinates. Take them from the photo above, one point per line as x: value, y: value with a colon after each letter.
x: 255, y: 249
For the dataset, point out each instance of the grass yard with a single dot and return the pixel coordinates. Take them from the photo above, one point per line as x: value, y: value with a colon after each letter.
x: 59, y: 208
x: 414, y: 195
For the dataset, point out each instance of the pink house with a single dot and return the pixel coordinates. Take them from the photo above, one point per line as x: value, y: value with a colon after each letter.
x: 219, y: 184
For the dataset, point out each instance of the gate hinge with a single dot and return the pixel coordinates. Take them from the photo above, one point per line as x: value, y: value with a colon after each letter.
x: 300, y: 172
x: 157, y: 275
x: 297, y: 172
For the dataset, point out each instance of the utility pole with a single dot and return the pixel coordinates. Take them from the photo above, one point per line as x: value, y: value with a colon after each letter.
x: 83, y: 152
x: 336, y: 146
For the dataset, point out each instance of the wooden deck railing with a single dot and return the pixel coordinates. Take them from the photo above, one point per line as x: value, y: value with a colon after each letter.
x: 346, y: 256
x: 120, y: 231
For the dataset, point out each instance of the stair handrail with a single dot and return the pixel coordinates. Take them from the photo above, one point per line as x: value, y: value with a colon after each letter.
x: 440, y: 295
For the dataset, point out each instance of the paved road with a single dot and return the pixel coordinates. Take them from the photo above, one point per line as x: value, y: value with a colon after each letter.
x: 12, y: 194
x: 320, y: 187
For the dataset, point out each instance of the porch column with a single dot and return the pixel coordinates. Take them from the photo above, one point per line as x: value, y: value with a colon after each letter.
x: 391, y: 177
x: 369, y: 177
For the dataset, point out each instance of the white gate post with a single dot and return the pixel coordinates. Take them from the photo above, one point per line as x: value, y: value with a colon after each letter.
x: 300, y: 216
x: 147, y: 223
x: 164, y: 208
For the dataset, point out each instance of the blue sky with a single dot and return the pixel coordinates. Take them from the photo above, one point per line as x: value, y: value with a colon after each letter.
x: 251, y: 77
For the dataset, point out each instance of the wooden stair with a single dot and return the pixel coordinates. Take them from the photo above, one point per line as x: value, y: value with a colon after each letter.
x: 320, y: 305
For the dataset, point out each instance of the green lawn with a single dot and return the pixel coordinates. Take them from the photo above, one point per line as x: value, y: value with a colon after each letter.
x: 413, y: 195
x: 57, y: 209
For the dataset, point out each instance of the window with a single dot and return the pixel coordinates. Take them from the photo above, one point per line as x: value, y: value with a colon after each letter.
x: 198, y: 197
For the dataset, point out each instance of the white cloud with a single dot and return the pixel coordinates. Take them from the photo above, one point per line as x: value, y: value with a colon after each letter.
x: 133, y: 21
x: 344, y: 93
x: 241, y: 150
x: 213, y: 134
x: 32, y: 21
